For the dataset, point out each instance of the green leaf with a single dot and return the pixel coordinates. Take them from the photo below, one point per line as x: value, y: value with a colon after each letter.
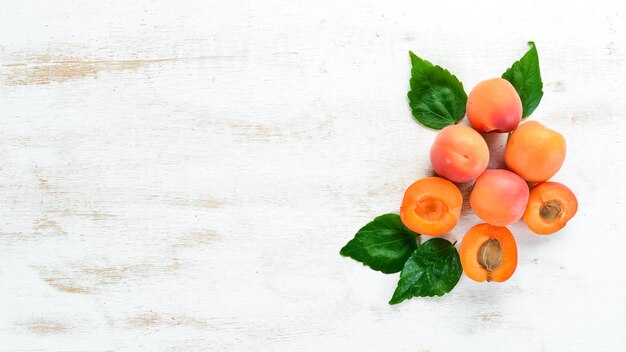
x: 384, y: 244
x: 525, y: 76
x: 437, y: 98
x: 432, y: 270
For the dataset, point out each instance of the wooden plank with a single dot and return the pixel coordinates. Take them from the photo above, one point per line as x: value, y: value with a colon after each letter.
x: 181, y: 176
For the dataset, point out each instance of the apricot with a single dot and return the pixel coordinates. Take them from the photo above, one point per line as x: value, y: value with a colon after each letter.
x: 535, y: 152
x: 494, y: 106
x: 459, y: 154
x: 550, y: 206
x: 499, y: 197
x: 431, y: 206
x: 488, y: 253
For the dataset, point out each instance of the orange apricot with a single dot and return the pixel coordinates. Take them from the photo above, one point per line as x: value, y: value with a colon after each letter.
x: 459, y: 154
x: 499, y: 197
x: 494, y: 106
x: 535, y: 152
x: 488, y: 253
x: 431, y: 206
x: 550, y: 206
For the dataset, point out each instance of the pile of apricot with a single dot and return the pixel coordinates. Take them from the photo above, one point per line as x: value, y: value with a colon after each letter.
x: 500, y: 197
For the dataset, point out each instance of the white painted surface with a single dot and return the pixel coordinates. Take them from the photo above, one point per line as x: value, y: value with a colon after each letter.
x: 180, y: 176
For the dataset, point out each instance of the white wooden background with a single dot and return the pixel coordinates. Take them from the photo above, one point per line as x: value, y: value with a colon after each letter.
x: 180, y: 176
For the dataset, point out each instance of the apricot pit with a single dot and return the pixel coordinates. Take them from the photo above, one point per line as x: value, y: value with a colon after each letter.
x: 550, y: 210
x: 490, y: 255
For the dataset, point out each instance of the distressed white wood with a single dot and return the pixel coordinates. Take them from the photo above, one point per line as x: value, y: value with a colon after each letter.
x: 180, y: 176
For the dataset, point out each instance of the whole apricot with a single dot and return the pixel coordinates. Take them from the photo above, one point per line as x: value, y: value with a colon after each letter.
x: 535, y: 152
x: 488, y: 253
x: 431, y: 206
x: 499, y: 197
x: 550, y: 206
x: 459, y: 154
x: 494, y: 106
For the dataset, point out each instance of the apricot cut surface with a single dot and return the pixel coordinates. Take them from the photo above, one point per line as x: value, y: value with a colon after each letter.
x: 499, y: 197
x: 459, y: 154
x: 550, y: 206
x: 488, y: 253
x: 535, y: 152
x: 431, y: 206
x: 494, y: 106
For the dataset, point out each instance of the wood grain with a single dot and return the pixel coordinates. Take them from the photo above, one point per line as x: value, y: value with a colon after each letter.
x: 181, y: 176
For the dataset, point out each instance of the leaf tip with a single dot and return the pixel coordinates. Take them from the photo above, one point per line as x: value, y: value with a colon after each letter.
x: 393, y: 301
x: 414, y: 58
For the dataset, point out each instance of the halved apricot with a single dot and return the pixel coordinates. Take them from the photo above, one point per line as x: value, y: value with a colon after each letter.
x: 488, y: 253
x: 550, y: 206
x: 431, y: 206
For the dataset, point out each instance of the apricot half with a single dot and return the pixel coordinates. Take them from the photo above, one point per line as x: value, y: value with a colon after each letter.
x: 535, y: 152
x: 431, y: 206
x: 488, y: 253
x: 459, y: 154
x: 550, y: 206
x: 499, y: 197
x: 494, y: 106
